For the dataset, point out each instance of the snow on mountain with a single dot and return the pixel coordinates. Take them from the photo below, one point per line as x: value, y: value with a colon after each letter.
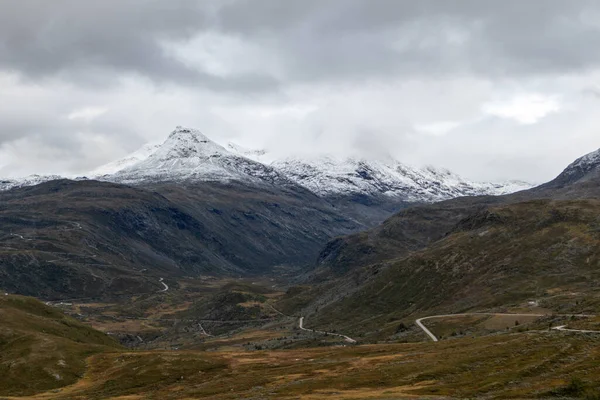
x: 256, y: 155
x: 187, y: 154
x: 584, y: 164
x: 130, y: 160
x: 32, y: 180
x: 328, y: 176
x: 583, y: 169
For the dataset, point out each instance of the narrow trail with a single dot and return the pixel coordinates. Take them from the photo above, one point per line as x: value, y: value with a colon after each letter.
x: 301, y: 326
x: 203, y: 331
x: 21, y: 237
x: 420, y: 324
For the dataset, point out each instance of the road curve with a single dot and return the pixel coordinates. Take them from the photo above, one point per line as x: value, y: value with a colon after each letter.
x: 301, y: 326
x: 164, y: 284
x: 424, y: 328
x: 435, y: 339
x: 558, y: 328
x: 564, y: 328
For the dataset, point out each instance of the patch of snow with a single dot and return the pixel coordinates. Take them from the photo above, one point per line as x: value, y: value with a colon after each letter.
x: 32, y: 180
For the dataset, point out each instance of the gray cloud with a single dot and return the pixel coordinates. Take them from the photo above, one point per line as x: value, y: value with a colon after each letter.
x: 333, y: 39
x: 403, y: 76
x: 96, y: 42
x: 313, y: 40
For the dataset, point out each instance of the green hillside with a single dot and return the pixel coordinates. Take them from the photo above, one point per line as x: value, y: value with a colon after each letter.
x: 543, y: 250
x: 41, y: 348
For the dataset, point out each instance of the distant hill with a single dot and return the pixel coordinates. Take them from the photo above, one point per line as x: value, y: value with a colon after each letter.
x: 417, y: 226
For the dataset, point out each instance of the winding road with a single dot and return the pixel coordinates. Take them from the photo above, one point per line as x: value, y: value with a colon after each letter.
x: 419, y: 322
x: 301, y: 326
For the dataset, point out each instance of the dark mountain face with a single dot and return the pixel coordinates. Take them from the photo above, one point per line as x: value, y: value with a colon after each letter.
x: 80, y: 239
x: 409, y: 230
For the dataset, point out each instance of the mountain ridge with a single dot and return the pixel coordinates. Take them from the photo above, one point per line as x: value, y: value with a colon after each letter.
x: 189, y: 155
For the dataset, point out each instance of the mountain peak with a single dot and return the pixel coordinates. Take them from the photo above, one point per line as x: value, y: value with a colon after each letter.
x: 188, y: 154
x: 585, y: 168
x: 188, y: 134
x: 188, y: 143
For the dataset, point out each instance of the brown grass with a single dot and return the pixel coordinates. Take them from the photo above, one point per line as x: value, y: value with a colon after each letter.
x: 505, y: 366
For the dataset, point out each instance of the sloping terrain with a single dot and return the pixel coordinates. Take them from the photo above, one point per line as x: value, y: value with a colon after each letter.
x: 409, y: 230
x: 584, y: 169
x: 66, y: 239
x: 41, y: 348
x: 187, y: 155
x: 416, y: 227
x: 543, y: 251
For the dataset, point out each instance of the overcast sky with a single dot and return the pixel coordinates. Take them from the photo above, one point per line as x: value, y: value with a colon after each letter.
x: 493, y: 90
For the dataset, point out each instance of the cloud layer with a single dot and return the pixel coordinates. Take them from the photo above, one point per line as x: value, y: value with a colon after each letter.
x: 492, y: 90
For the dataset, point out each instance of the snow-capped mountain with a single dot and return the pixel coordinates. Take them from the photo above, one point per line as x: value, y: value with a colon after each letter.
x: 329, y: 176
x: 188, y: 155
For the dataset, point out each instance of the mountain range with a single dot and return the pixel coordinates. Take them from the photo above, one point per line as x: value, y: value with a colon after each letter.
x: 190, y: 207
x: 188, y: 155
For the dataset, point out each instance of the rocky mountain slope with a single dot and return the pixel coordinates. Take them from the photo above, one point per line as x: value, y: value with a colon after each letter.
x: 193, y: 207
x: 132, y: 159
x: 80, y: 239
x: 368, y: 191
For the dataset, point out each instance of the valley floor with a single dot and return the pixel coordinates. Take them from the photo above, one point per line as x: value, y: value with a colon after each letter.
x: 225, y: 339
